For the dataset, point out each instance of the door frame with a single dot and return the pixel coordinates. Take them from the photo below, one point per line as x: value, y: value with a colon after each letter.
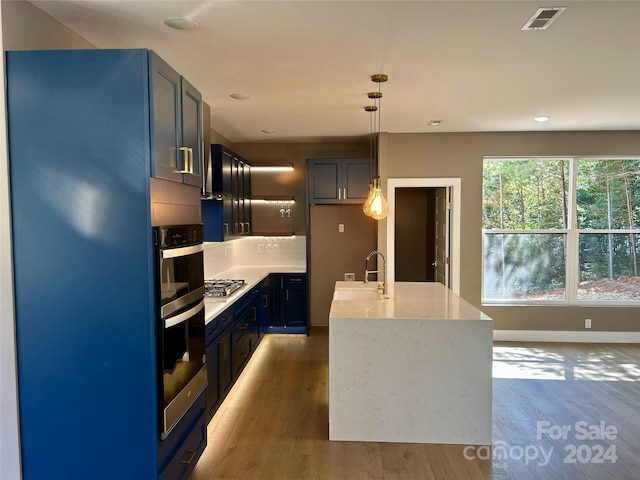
x: 454, y: 183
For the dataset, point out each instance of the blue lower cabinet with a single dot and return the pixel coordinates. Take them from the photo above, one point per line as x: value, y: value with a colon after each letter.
x: 262, y: 303
x: 180, y: 451
x: 289, y: 311
x: 244, y: 315
x: 218, y: 351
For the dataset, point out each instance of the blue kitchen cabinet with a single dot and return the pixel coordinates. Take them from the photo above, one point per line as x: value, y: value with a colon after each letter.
x: 262, y: 304
x: 178, y: 454
x: 218, y: 352
x: 218, y: 212
x: 176, y: 130
x: 335, y: 181
x: 228, y: 213
x: 244, y: 315
x: 289, y: 311
x: 86, y: 307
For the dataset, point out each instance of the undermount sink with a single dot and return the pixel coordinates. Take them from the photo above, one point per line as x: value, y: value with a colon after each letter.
x: 357, y: 286
x: 370, y: 291
x: 357, y: 295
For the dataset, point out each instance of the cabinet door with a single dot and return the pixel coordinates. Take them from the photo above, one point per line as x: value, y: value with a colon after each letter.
x: 295, y: 308
x: 238, y: 220
x: 263, y: 306
x: 166, y: 125
x: 339, y: 180
x: 213, y: 388
x: 246, y: 197
x: 325, y: 181
x: 192, y: 132
x: 226, y: 169
x: 356, y: 180
x: 225, y: 373
x: 277, y: 297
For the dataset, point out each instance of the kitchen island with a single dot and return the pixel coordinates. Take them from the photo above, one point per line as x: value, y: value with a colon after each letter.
x: 414, y: 366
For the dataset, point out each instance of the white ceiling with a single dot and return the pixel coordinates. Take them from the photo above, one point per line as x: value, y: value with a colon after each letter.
x: 307, y: 64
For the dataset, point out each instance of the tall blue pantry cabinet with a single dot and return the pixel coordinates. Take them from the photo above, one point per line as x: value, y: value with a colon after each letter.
x: 81, y: 156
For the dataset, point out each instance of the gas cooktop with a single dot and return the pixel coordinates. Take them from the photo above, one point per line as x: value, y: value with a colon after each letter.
x: 221, y: 288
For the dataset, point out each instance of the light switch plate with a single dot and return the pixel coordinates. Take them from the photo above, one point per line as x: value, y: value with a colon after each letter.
x: 341, y: 228
x: 349, y: 277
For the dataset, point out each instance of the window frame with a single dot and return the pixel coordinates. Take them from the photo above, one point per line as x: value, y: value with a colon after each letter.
x: 572, y: 232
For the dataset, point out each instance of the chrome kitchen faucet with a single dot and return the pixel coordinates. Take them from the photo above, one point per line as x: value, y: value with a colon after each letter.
x: 377, y: 272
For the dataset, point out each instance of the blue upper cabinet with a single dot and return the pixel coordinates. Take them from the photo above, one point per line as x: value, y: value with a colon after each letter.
x: 176, y: 129
x: 334, y: 181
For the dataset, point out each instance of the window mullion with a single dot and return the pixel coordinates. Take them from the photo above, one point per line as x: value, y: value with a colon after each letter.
x: 573, y: 252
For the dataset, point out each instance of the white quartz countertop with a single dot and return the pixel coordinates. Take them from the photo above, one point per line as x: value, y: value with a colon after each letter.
x: 414, y: 367
x: 214, y: 306
x: 407, y: 300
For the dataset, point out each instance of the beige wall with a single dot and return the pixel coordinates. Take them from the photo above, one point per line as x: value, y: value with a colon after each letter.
x: 25, y: 27
x: 460, y: 155
x: 294, y: 183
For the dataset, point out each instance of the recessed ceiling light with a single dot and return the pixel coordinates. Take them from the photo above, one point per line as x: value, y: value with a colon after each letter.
x: 180, y: 23
x: 240, y: 96
x: 435, y: 123
x: 541, y: 118
x: 268, y: 131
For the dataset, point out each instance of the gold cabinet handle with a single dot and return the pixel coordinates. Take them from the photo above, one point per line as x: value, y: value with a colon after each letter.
x: 187, y: 461
x: 265, y: 301
x: 286, y: 294
x: 190, y: 160
x: 248, y: 230
x: 223, y: 353
x: 185, y: 160
x: 255, y: 317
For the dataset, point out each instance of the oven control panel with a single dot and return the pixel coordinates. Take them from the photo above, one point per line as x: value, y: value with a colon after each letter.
x: 179, y: 235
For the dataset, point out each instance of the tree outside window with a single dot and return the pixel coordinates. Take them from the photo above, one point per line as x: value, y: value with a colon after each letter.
x: 561, y: 230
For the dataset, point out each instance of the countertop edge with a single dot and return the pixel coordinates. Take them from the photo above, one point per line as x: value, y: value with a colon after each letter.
x: 252, y: 276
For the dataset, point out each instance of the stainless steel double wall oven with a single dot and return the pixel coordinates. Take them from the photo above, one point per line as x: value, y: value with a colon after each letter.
x: 181, y: 334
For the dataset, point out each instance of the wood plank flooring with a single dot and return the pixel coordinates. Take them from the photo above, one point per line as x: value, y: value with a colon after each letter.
x: 274, y: 423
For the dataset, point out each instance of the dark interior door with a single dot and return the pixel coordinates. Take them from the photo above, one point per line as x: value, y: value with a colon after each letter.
x: 415, y: 234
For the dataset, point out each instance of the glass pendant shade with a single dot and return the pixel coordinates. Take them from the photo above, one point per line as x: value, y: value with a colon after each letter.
x: 375, y: 206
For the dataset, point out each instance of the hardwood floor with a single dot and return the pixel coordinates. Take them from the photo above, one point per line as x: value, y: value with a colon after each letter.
x: 274, y: 423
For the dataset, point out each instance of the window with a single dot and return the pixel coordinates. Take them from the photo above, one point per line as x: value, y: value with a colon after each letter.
x: 561, y: 230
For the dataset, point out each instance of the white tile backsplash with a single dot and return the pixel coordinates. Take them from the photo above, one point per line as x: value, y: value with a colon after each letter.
x: 254, y: 251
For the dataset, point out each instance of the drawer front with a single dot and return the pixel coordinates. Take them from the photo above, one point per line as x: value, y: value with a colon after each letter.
x: 187, y: 455
x: 242, y: 325
x: 212, y: 330
x: 185, y: 443
x: 218, y: 324
x: 241, y: 355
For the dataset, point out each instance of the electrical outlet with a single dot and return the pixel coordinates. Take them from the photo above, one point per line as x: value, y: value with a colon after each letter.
x: 341, y: 228
x: 587, y: 323
x: 349, y: 277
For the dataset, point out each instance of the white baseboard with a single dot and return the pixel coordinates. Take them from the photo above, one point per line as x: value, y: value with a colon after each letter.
x: 565, y: 336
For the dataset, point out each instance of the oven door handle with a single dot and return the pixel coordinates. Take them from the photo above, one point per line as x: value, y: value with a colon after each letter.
x: 181, y: 317
x: 181, y: 252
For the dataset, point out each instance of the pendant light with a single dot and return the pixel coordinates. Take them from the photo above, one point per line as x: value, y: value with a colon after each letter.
x: 375, y: 206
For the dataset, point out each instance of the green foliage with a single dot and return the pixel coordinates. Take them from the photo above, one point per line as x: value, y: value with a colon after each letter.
x: 608, y: 193
x: 525, y: 194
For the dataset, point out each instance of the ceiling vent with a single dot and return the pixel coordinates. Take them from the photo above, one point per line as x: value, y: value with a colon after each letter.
x: 543, y: 18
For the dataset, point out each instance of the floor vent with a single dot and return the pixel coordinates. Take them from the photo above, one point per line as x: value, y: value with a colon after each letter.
x: 543, y: 18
